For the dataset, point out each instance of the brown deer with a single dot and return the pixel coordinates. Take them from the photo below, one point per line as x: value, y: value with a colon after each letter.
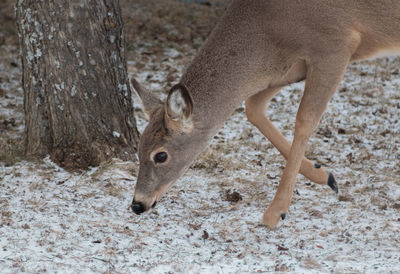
x: 259, y: 47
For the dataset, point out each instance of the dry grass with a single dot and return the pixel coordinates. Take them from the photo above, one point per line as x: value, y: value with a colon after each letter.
x: 170, y: 20
x: 311, y: 263
x: 12, y: 151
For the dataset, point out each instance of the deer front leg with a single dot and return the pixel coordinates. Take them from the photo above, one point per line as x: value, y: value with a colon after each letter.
x: 321, y: 83
x: 255, y: 111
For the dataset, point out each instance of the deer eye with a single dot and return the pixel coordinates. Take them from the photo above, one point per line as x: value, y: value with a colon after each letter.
x: 160, y: 157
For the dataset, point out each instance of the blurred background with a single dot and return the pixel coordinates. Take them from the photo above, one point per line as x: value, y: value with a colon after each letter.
x: 175, y: 21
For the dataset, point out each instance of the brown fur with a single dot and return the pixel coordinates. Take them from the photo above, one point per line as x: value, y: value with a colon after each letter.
x: 259, y: 47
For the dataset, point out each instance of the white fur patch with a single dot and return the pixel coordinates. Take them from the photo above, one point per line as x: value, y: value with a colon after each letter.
x: 177, y: 104
x: 385, y: 53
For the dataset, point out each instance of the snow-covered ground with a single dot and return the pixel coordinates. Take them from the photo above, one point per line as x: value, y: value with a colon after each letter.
x: 79, y: 222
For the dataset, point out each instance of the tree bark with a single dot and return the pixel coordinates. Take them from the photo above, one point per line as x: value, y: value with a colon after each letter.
x: 78, y: 104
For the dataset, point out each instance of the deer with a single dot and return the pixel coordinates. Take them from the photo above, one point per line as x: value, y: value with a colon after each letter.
x: 258, y: 47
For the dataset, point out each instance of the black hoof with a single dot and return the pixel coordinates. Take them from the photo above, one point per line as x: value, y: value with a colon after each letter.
x: 317, y: 165
x: 332, y: 183
x: 283, y: 216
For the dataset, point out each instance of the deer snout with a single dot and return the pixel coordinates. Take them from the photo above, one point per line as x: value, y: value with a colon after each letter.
x: 138, y: 207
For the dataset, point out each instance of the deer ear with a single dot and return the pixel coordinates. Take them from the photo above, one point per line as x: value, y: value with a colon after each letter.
x: 149, y: 101
x: 179, y: 105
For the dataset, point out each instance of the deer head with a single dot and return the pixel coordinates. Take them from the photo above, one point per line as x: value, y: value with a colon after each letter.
x: 167, y: 146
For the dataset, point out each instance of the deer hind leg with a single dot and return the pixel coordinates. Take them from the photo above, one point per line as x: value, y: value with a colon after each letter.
x: 322, y: 80
x: 255, y: 111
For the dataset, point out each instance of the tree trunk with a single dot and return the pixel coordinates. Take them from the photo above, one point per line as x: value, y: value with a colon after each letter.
x: 78, y: 105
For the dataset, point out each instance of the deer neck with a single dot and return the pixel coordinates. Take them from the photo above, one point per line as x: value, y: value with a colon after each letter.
x: 225, y: 72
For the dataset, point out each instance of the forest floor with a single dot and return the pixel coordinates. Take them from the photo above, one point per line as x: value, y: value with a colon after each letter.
x: 56, y: 221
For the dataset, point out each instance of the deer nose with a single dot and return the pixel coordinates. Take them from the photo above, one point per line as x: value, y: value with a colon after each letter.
x: 137, y: 207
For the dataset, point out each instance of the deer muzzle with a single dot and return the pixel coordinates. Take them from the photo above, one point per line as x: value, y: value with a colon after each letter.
x: 142, y: 202
x: 139, y: 208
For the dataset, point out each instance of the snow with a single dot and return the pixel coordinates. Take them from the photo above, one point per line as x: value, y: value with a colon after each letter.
x: 116, y: 134
x: 112, y: 38
x: 73, y: 91
x: 80, y: 222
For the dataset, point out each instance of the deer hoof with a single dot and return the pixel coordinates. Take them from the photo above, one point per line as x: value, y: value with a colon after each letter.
x: 271, y: 220
x: 332, y: 183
